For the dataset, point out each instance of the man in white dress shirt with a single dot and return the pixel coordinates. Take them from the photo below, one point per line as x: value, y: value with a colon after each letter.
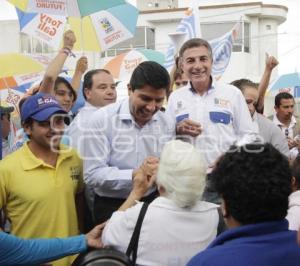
x: 209, y: 114
x: 286, y: 121
x: 99, y: 90
x: 126, y: 136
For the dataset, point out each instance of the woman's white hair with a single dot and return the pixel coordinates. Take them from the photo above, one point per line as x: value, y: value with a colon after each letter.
x: 182, y: 173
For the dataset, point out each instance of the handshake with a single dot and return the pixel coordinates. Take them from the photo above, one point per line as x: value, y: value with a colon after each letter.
x: 144, y: 177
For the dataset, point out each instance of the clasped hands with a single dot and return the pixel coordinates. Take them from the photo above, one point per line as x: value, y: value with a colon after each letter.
x: 144, y: 177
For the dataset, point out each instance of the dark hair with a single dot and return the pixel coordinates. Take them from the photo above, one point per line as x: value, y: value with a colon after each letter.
x: 242, y: 83
x: 28, y: 122
x: 22, y: 100
x: 296, y: 170
x: 150, y: 73
x: 280, y: 96
x: 5, y: 114
x: 88, y: 79
x: 68, y: 85
x: 195, y: 42
x: 255, y: 182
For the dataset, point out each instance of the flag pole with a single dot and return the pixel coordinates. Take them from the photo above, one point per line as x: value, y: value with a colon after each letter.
x: 195, y: 7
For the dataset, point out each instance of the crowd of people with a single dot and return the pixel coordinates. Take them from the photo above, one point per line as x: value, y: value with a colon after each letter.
x: 202, y: 179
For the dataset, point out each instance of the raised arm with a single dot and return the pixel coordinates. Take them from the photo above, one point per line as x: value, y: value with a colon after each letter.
x: 271, y: 63
x: 81, y: 67
x: 57, y: 63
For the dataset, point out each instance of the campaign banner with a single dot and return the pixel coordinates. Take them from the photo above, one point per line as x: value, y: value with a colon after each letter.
x: 46, y: 28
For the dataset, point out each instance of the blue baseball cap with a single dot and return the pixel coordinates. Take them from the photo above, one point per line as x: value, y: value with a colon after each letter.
x: 40, y: 107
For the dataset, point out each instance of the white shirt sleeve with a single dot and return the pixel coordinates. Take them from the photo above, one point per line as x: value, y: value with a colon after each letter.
x: 242, y: 121
x: 119, y: 229
x: 97, y: 150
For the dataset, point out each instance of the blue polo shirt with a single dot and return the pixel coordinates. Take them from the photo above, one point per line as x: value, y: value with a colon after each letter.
x: 262, y: 244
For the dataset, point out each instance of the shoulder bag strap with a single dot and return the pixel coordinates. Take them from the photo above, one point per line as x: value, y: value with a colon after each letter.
x: 134, y: 241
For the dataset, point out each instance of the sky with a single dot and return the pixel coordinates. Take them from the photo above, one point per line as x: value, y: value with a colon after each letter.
x: 288, y: 33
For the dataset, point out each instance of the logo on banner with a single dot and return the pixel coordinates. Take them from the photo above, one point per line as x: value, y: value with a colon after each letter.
x: 106, y: 25
x: 49, y: 25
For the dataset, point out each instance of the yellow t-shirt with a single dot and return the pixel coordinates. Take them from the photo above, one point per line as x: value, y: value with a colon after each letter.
x: 40, y: 199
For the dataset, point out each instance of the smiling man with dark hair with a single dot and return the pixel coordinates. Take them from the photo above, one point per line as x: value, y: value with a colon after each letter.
x: 126, y: 136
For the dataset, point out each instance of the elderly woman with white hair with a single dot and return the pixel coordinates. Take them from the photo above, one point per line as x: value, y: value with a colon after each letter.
x: 177, y: 224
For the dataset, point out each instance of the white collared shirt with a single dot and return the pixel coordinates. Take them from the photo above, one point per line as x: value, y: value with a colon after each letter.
x: 293, y: 215
x: 169, y: 235
x: 255, y: 122
x: 79, y: 126
x: 288, y: 133
x: 284, y: 127
x: 270, y: 133
x: 222, y: 113
x: 114, y: 145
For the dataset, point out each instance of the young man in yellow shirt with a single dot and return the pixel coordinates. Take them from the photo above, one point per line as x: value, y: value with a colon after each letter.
x: 39, y: 183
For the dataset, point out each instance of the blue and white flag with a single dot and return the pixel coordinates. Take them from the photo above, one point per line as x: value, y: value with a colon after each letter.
x: 187, y: 26
x: 222, y: 49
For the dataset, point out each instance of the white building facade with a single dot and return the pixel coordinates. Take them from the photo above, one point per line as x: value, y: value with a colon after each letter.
x: 257, y: 35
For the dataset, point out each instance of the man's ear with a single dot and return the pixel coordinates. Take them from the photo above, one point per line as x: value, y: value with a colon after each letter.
x: 224, y: 211
x: 294, y: 184
x: 161, y: 189
x: 86, y: 93
x: 27, y: 129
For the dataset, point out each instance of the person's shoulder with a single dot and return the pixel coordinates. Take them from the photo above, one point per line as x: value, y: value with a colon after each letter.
x: 128, y: 217
x: 265, y: 120
x: 14, y: 156
x: 297, y: 119
x: 68, y: 151
x: 181, y: 91
x: 8, y: 163
x: 206, y: 257
x: 106, y: 112
x: 222, y: 87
